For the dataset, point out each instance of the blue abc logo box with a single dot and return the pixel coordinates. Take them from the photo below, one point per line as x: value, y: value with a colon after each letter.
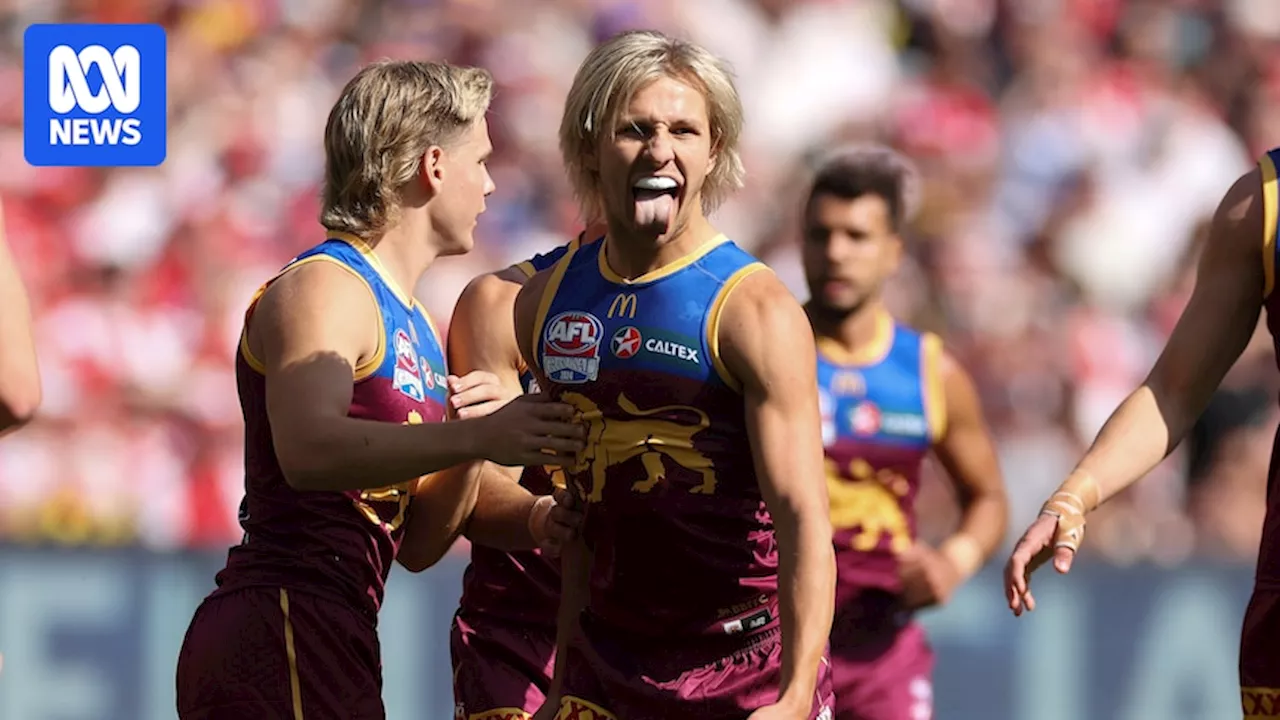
x: 94, y: 95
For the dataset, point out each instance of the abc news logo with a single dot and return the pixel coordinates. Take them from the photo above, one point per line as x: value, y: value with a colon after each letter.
x: 69, y: 89
x: 94, y: 95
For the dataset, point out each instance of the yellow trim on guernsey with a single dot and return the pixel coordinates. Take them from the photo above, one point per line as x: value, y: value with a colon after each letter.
x: 666, y: 270
x: 548, y: 295
x: 714, y: 314
x: 1269, y: 207
x: 935, y: 396
x: 363, y: 370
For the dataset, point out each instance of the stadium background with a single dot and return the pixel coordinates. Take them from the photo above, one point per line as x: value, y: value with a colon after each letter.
x: 1073, y: 151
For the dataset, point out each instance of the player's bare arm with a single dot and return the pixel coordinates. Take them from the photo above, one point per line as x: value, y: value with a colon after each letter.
x: 1214, y: 328
x: 968, y: 454
x: 575, y: 557
x: 19, y: 375
x: 767, y: 344
x: 310, y: 329
x: 482, y: 500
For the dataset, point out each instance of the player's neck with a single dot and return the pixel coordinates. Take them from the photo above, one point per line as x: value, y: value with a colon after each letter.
x: 632, y: 255
x: 403, y: 254
x: 855, y: 332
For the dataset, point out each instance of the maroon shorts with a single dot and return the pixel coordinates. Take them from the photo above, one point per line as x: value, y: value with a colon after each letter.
x: 501, y: 670
x: 1260, y: 656
x: 276, y: 654
x: 884, y: 678
x: 605, y: 680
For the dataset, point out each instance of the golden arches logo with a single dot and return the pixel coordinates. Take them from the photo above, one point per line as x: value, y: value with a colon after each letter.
x: 623, y: 305
x: 613, y: 441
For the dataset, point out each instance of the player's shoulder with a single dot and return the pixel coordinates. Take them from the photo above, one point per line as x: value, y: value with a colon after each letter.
x: 316, y: 279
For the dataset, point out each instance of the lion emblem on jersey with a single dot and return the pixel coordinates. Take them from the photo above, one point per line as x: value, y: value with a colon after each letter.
x: 647, y: 434
x: 871, y: 504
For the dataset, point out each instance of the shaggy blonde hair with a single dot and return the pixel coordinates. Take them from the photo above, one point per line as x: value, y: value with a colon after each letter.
x: 385, y: 119
x: 611, y: 76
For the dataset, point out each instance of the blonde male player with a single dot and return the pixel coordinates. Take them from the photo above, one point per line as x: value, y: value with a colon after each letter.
x: 704, y: 585
x: 1235, y: 280
x: 343, y: 385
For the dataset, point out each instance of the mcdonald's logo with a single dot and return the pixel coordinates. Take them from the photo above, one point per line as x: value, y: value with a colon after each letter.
x: 624, y: 305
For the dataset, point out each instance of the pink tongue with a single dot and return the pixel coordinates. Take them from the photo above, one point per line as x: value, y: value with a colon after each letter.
x: 654, y: 211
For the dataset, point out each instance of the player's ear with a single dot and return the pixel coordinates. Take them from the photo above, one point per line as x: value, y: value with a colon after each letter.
x: 431, y: 170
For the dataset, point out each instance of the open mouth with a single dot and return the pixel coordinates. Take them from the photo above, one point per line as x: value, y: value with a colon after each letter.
x: 651, y: 188
x: 654, y: 200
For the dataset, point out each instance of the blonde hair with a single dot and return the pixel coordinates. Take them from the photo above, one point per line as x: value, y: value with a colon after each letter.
x: 605, y: 84
x: 384, y: 120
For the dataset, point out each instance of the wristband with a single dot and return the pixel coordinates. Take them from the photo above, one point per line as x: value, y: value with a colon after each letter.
x: 538, y: 518
x: 964, y: 552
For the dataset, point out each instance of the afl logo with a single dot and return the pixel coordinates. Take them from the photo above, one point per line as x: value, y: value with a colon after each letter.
x: 571, y: 348
x: 865, y: 419
x: 626, y: 342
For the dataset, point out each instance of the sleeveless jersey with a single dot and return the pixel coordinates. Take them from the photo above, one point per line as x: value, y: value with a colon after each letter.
x: 882, y: 411
x: 336, y: 544
x: 682, y: 543
x: 521, y: 586
x: 1268, y: 569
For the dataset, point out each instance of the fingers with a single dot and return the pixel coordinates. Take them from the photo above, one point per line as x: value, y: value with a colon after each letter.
x: 480, y: 409
x: 548, y: 410
x: 1062, y: 558
x: 473, y: 379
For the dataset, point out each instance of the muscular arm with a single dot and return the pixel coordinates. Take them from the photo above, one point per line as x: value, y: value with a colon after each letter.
x: 575, y: 558
x: 969, y: 456
x: 1212, y: 332
x: 311, y: 328
x: 767, y: 345
x: 19, y: 376
x: 479, y: 498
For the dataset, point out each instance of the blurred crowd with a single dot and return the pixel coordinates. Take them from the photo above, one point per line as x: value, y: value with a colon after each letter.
x: 1072, y: 152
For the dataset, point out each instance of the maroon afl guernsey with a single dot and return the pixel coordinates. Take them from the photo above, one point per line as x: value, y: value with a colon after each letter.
x: 683, y: 546
x: 338, y: 545
x: 882, y: 411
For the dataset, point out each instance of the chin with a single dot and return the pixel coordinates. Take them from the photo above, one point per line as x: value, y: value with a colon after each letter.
x: 459, y: 245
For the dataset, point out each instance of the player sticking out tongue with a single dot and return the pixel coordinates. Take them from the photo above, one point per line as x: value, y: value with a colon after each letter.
x: 655, y: 201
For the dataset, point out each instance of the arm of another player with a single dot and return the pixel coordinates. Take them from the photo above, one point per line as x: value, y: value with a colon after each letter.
x: 19, y: 374
x: 313, y: 326
x: 767, y: 344
x: 966, y: 450
x: 1217, y: 323
x: 575, y: 557
x: 479, y: 496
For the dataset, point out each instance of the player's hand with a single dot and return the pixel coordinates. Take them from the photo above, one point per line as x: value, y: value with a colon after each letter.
x: 476, y: 394
x: 1050, y: 536
x: 555, y: 521
x: 928, y: 577
x: 532, y: 430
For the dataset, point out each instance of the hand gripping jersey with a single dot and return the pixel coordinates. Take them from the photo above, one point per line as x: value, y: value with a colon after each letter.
x: 683, y: 545
x: 881, y: 413
x: 338, y: 545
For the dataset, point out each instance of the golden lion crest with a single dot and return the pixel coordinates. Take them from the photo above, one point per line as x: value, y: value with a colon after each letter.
x: 871, y: 502
x: 612, y: 441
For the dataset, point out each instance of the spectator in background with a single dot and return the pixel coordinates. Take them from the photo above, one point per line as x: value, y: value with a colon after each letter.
x: 1065, y: 149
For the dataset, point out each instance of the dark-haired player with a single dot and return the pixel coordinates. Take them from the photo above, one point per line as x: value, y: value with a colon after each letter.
x: 890, y: 395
